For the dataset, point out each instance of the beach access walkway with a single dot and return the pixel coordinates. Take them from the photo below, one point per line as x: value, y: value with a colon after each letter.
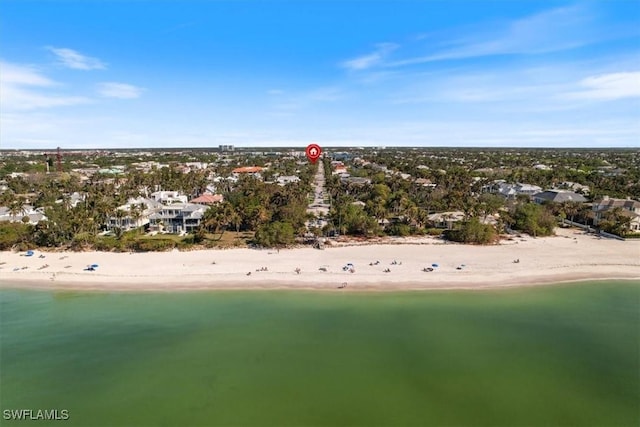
x: 317, y: 206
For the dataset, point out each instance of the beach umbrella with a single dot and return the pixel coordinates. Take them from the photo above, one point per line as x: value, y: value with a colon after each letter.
x: 435, y: 265
x: 94, y: 265
x: 29, y: 253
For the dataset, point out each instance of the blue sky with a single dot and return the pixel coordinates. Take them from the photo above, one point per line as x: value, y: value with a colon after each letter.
x: 272, y: 73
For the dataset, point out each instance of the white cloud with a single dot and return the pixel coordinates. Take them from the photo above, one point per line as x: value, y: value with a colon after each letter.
x: 73, y: 59
x: 22, y: 75
x: 374, y: 58
x: 608, y: 87
x: 14, y: 98
x: 549, y: 31
x: 119, y: 90
x: 24, y: 88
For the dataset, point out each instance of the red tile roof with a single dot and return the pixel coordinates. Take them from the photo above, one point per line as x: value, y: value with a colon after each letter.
x: 208, y: 199
x: 248, y: 169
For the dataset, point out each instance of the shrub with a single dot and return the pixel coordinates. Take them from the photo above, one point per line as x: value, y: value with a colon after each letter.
x: 399, y: 229
x: 434, y: 231
x: 15, y: 233
x: 473, y: 231
x: 153, y: 245
x: 275, y: 234
x: 534, y: 220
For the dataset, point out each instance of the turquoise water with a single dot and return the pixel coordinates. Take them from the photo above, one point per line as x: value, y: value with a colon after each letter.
x: 556, y: 355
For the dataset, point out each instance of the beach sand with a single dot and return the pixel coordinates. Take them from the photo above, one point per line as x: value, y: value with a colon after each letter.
x: 569, y: 256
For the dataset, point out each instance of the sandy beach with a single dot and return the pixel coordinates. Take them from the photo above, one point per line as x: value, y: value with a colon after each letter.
x: 569, y: 256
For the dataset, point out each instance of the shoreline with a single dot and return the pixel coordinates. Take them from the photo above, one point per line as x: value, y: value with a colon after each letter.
x: 317, y: 287
x: 570, y: 256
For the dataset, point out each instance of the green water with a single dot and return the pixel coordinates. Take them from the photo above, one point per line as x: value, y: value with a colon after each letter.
x: 559, y: 355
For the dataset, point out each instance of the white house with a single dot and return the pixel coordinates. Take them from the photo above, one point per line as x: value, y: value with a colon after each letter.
x: 169, y: 197
x: 124, y: 217
x: 287, y: 179
x: 34, y: 215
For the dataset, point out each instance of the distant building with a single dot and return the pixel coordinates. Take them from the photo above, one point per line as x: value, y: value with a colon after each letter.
x: 356, y: 180
x: 558, y: 196
x: 425, y: 182
x: 284, y: 179
x: 225, y: 148
x: 341, y: 156
x: 248, y: 169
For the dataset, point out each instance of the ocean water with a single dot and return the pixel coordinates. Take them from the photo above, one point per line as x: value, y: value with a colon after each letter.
x: 553, y: 355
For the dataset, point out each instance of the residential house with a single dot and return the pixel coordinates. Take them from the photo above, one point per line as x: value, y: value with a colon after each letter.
x: 169, y: 197
x: 558, y: 196
x: 179, y: 217
x: 425, y: 182
x: 355, y: 180
x: 74, y: 199
x: 255, y: 171
x: 511, y: 191
x: 574, y: 186
x: 208, y: 199
x: 135, y: 213
x: 445, y: 219
x: 284, y: 179
x: 34, y: 215
x: 630, y: 208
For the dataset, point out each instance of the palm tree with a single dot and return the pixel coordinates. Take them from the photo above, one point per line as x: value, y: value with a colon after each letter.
x: 135, y: 213
x: 16, y: 206
x: 236, y: 220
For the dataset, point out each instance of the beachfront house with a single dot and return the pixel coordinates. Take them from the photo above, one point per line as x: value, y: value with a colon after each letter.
x: 134, y: 214
x: 445, y: 219
x: 627, y: 207
x: 179, y: 217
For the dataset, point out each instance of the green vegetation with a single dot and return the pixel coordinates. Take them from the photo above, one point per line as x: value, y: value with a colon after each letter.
x: 534, y: 220
x: 473, y: 231
x: 390, y: 192
x: 16, y: 235
x: 275, y: 234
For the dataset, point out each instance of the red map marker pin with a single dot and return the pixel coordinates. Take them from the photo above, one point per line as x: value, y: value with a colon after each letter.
x: 313, y: 152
